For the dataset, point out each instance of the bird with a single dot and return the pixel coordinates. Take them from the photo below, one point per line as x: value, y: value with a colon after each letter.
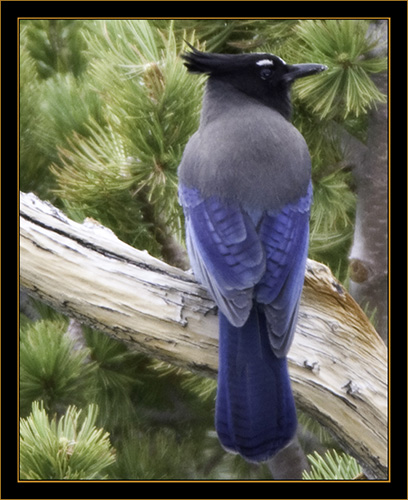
x: 246, y: 192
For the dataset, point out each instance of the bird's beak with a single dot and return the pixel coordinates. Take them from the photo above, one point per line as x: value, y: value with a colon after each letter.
x: 295, y: 71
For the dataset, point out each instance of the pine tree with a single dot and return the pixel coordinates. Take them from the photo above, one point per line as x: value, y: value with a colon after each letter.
x: 63, y: 449
x: 332, y: 466
x: 106, y: 108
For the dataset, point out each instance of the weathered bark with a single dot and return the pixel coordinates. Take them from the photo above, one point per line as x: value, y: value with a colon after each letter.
x: 338, y: 363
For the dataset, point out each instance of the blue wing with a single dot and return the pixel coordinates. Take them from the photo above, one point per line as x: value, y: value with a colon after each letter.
x: 285, y: 238
x: 225, y: 251
x: 241, y: 257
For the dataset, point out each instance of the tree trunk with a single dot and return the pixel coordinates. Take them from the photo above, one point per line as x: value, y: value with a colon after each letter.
x: 338, y: 363
x: 368, y: 257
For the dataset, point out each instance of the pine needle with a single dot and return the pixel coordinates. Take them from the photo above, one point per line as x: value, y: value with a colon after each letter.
x: 332, y: 466
x: 63, y: 449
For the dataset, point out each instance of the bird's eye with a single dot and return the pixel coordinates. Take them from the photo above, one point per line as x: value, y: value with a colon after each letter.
x: 265, y: 73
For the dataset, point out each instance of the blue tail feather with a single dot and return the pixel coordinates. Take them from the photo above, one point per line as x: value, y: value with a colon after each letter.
x: 255, y: 409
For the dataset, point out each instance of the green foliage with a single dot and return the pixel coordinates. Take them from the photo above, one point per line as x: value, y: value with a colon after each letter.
x: 125, y: 172
x: 346, y: 87
x: 238, y: 35
x: 51, y: 369
x: 63, y: 448
x: 310, y: 427
x: 331, y: 231
x: 34, y: 173
x: 56, y: 46
x: 157, y: 455
x: 332, y: 466
x: 51, y: 108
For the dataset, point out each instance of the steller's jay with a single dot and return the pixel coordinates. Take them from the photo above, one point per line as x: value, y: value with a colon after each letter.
x: 245, y: 187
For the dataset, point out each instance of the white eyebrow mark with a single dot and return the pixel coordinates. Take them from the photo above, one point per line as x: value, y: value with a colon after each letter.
x: 264, y: 62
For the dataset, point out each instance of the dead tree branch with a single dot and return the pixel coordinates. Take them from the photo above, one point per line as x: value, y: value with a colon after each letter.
x: 338, y: 363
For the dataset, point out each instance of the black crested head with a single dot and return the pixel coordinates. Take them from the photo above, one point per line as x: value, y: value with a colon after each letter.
x: 261, y: 76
